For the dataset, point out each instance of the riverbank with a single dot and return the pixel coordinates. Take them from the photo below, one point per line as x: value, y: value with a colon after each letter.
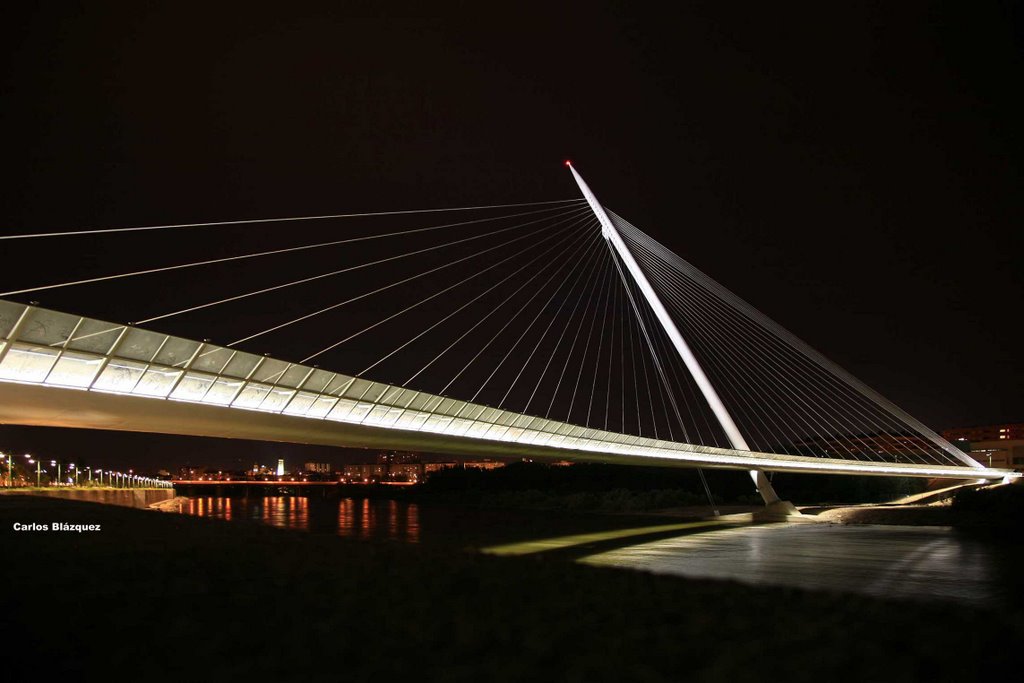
x: 173, y: 596
x: 132, y: 497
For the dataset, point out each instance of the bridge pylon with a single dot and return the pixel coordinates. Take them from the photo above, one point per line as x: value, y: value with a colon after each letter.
x: 732, y: 432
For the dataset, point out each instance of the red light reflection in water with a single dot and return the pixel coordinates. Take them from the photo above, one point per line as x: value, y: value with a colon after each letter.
x: 362, y: 518
x: 346, y: 518
x: 368, y: 520
x: 286, y: 512
x: 412, y: 523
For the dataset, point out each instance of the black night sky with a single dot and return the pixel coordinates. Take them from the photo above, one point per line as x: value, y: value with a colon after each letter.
x: 853, y: 172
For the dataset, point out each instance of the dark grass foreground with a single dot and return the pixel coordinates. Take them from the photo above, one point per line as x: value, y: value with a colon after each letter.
x: 162, y: 596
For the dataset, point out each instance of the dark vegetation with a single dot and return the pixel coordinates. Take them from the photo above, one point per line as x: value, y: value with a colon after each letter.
x: 169, y: 597
x: 820, y: 489
x: 620, y: 488
x: 997, y: 511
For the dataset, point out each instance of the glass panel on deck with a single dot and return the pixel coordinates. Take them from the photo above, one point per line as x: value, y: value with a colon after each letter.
x: 28, y: 363
x: 496, y: 432
x: 176, y: 352
x: 222, y: 391
x: 542, y: 438
x: 119, y: 376
x: 376, y: 392
x: 48, y: 327
x: 383, y: 415
x: 488, y: 415
x: 212, y: 359
x: 342, y: 409
x: 301, y: 403
x: 449, y: 406
x: 436, y: 423
x: 523, y: 421
x: 359, y: 412
x: 505, y: 418
x: 270, y: 371
x: 241, y: 365
x: 75, y: 369
x: 338, y: 385
x: 394, y: 396
x: 421, y: 401
x: 411, y: 419
x: 193, y: 387
x: 459, y: 426
x: 277, y: 399
x: 357, y: 388
x: 157, y: 382
x: 10, y: 312
x: 95, y: 336
x: 479, y: 429
x: 318, y: 381
x: 322, y: 406
x: 252, y: 395
x: 139, y: 344
x: 513, y: 434
x: 293, y: 376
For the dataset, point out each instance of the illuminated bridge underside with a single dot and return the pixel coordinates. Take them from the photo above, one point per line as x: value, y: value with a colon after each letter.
x: 63, y: 370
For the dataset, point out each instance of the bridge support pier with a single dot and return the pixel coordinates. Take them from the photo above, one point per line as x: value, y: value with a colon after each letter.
x: 775, y: 507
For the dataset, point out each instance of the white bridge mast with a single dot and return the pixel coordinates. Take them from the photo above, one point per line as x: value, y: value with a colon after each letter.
x: 611, y: 235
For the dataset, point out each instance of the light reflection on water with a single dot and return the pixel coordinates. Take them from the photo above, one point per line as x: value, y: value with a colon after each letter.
x: 350, y: 518
x: 882, y: 561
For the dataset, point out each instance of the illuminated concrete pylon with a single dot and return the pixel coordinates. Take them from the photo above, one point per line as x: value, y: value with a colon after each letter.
x: 732, y: 432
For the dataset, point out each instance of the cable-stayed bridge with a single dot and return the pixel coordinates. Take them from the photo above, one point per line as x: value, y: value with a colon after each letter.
x: 558, y: 330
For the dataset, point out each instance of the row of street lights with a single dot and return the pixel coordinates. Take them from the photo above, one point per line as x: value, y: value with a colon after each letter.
x: 114, y: 479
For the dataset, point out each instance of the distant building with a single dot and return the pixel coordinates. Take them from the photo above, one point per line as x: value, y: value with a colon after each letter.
x: 431, y: 467
x: 280, y: 467
x: 383, y: 472
x: 1000, y: 446
x: 191, y: 473
x: 407, y: 472
x: 318, y: 467
x: 1003, y: 432
x: 483, y: 465
x: 364, y: 473
x: 393, y: 457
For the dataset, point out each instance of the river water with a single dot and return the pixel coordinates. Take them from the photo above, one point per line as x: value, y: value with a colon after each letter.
x: 932, y: 563
x: 884, y: 561
x: 380, y: 519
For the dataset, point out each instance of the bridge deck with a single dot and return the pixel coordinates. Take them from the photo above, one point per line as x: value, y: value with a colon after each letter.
x: 58, y: 369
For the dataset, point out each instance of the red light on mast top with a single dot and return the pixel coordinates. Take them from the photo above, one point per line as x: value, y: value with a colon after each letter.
x: 568, y: 163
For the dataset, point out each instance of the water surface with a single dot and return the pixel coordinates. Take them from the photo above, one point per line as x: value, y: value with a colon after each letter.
x: 883, y: 561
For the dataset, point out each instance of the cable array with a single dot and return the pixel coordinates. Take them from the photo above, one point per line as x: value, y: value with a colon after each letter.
x: 528, y: 309
x: 786, y: 397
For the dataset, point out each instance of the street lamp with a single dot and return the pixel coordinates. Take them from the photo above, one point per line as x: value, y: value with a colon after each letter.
x: 72, y: 466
